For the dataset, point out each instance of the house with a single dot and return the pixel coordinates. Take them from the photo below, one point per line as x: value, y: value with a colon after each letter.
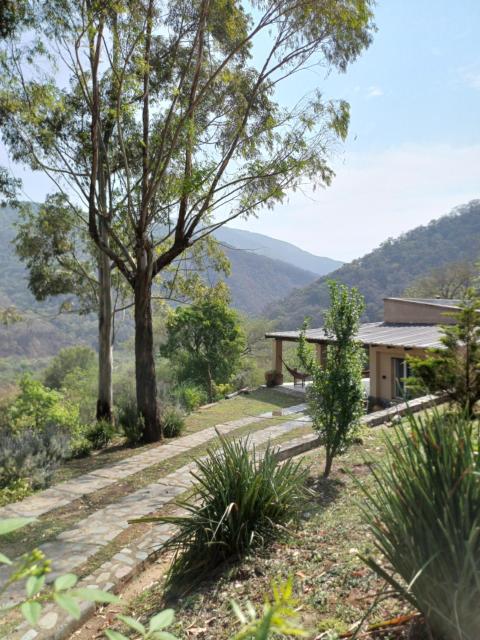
x: 410, y: 326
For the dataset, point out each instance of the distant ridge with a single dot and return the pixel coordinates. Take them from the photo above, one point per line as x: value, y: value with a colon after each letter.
x: 390, y: 268
x: 277, y: 250
x: 255, y: 281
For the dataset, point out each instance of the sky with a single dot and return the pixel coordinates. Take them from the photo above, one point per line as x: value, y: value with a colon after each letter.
x: 413, y: 151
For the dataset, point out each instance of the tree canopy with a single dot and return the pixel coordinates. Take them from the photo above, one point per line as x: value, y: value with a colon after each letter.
x: 205, y: 341
x: 162, y: 119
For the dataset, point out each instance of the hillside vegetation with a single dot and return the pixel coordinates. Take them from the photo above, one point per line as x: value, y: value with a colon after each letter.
x: 389, y: 269
x: 277, y: 250
x: 255, y: 281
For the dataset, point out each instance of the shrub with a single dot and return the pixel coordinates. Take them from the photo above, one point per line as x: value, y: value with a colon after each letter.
x: 18, y: 490
x: 173, y: 422
x: 336, y: 397
x: 67, y: 360
x: 190, y: 396
x: 240, y: 501
x: 31, y: 456
x: 130, y: 422
x: 424, y: 514
x: 36, y: 407
x: 100, y: 434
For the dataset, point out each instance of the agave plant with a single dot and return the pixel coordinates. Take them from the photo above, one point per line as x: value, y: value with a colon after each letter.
x: 424, y: 514
x: 241, y: 500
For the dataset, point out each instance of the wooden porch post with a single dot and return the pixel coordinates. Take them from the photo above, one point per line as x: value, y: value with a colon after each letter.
x: 277, y: 356
x: 321, y: 353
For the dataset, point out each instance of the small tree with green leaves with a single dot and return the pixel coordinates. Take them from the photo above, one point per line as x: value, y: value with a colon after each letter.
x: 454, y: 368
x: 336, y: 396
x: 205, y: 341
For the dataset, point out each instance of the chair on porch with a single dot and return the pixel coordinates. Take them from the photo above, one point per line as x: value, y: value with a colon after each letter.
x: 296, y: 374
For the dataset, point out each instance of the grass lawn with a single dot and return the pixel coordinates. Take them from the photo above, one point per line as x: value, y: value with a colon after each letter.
x: 334, y: 588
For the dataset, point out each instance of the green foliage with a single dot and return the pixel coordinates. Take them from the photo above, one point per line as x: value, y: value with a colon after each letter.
x: 29, y: 457
x: 156, y: 629
x: 424, y: 516
x: 455, y: 368
x: 278, y: 617
x: 241, y: 501
x: 173, y: 421
x: 130, y: 422
x: 205, y: 342
x: 67, y: 361
x: 335, y: 396
x: 32, y: 569
x: 452, y: 280
x: 36, y: 407
x: 100, y: 434
x: 189, y: 396
x: 389, y: 269
x: 17, y: 490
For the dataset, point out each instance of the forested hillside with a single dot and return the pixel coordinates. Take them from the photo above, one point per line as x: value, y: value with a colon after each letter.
x: 390, y: 268
x: 277, y: 250
x: 255, y: 281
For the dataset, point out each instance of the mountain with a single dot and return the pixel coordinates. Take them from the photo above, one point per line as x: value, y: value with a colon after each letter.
x: 255, y: 281
x: 276, y: 249
x: 390, y: 268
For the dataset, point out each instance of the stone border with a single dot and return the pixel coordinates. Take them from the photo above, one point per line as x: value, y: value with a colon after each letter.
x: 398, y: 410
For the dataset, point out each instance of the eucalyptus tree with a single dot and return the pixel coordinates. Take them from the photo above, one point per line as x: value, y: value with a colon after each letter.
x: 177, y: 112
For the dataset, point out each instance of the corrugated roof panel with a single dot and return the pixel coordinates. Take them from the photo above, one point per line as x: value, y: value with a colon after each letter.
x: 382, y: 333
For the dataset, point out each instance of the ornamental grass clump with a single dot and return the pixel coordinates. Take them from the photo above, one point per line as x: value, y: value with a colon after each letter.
x: 424, y: 514
x: 242, y: 500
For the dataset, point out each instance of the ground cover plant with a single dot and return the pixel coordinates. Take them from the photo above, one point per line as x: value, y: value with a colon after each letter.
x: 424, y: 515
x: 240, y: 501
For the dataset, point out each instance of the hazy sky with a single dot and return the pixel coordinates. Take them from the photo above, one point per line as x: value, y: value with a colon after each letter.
x: 413, y: 152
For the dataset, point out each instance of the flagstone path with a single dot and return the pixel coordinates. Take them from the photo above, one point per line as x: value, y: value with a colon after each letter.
x: 73, y: 547
x: 63, y: 493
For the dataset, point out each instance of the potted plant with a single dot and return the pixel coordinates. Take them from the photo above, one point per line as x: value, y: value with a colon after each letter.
x: 273, y: 378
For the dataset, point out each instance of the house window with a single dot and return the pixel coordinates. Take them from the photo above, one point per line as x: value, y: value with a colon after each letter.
x: 401, y: 371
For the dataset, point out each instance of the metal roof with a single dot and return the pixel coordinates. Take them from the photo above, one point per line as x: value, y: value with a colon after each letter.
x: 435, y: 302
x: 422, y: 336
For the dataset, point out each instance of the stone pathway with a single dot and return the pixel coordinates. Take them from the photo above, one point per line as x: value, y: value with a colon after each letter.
x: 63, y: 493
x: 55, y: 624
x: 73, y: 547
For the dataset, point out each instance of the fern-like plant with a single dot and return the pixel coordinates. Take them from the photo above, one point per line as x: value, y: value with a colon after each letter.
x: 424, y: 515
x: 241, y: 501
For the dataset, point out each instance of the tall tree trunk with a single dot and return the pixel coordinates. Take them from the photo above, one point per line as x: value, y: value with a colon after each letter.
x: 145, y: 377
x: 105, y: 328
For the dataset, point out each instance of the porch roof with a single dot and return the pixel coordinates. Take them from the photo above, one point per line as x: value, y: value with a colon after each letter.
x: 420, y: 336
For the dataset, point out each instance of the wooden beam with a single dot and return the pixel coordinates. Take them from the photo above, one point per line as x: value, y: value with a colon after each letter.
x: 277, y: 355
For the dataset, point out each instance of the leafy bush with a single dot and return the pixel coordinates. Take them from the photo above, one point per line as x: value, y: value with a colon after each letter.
x: 424, y: 514
x: 190, y: 396
x: 31, y: 456
x: 173, y: 422
x: 36, y: 407
x: 239, y: 502
x: 68, y: 360
x: 18, y: 490
x: 100, y: 434
x: 336, y: 396
x: 130, y: 422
